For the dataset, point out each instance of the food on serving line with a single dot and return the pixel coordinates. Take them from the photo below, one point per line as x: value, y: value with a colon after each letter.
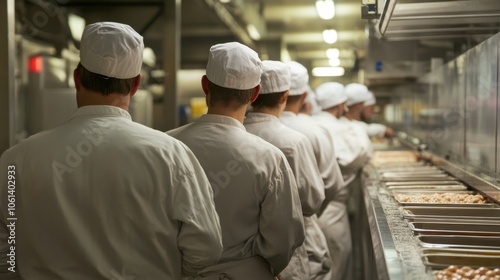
x: 440, y: 198
x: 466, y: 272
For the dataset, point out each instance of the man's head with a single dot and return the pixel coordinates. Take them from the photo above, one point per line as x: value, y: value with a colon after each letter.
x: 275, y: 85
x: 298, y: 86
x: 110, y: 61
x: 332, y: 98
x: 356, y: 95
x: 369, y: 107
x: 233, y: 75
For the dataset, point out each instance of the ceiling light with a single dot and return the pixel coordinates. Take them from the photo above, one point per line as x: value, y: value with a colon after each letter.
x: 330, y: 36
x: 225, y: 1
x: 328, y: 71
x: 333, y: 53
x: 76, y: 26
x: 253, y: 32
x: 334, y: 62
x: 326, y: 9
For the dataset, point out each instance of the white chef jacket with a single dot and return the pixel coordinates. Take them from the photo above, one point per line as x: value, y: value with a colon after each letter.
x: 374, y: 129
x: 102, y: 197
x: 254, y: 190
x: 300, y: 155
x: 323, y: 150
x: 349, y: 142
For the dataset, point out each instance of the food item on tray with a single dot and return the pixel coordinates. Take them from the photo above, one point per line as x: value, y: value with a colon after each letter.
x: 440, y: 198
x: 466, y: 272
x: 384, y: 157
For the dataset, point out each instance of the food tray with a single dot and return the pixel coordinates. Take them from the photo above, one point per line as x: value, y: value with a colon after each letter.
x: 428, y: 187
x: 442, y: 258
x: 455, y: 228
x: 434, y: 177
x: 459, y: 241
x: 483, y: 213
x: 439, y: 204
x: 422, y: 183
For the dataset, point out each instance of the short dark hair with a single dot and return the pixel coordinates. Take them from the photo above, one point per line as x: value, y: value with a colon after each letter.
x: 102, y: 84
x: 268, y: 100
x: 229, y: 96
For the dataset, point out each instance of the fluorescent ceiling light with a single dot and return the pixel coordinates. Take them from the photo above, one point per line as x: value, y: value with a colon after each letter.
x: 326, y: 9
x: 253, y: 32
x: 333, y: 53
x: 225, y: 1
x: 328, y: 71
x: 330, y: 36
x: 334, y: 62
x: 76, y: 25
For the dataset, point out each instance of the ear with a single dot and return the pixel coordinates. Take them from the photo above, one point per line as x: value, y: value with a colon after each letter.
x: 303, y: 97
x: 204, y: 84
x: 284, y: 98
x: 76, y: 79
x: 135, y: 85
x: 255, y: 93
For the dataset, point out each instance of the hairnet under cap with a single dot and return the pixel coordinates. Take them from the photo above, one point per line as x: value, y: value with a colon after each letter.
x: 300, y: 78
x: 356, y: 93
x: 371, y: 100
x: 330, y: 94
x: 112, y: 50
x: 233, y: 65
x: 275, y: 77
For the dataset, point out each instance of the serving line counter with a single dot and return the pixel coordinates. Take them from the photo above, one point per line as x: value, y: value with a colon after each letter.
x: 408, y: 240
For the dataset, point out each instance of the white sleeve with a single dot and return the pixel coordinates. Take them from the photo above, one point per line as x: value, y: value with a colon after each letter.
x: 281, y: 224
x: 309, y: 183
x: 199, y: 238
x: 376, y: 130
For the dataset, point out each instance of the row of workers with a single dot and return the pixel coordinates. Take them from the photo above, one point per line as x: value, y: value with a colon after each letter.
x: 225, y: 197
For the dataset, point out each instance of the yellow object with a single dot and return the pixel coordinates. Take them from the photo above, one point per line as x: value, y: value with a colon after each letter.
x: 198, y: 107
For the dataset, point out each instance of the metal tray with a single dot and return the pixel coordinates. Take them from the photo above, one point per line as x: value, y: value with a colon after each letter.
x: 483, y: 213
x: 435, y: 177
x: 459, y: 241
x: 407, y: 168
x: 448, y: 220
x: 443, y: 260
x: 421, y: 183
x: 455, y: 228
x: 430, y: 192
x: 455, y: 187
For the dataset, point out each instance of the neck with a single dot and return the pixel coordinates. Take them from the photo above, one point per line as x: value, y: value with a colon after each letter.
x: 293, y: 107
x: 235, y: 113
x: 86, y: 98
x: 334, y: 111
x: 276, y: 111
x: 353, y: 115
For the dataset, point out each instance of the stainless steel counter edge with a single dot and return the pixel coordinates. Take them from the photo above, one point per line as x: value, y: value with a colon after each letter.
x: 395, y: 249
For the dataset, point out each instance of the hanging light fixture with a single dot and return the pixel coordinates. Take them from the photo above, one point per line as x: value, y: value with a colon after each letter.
x: 333, y: 53
x: 326, y: 9
x: 330, y: 36
x: 328, y: 71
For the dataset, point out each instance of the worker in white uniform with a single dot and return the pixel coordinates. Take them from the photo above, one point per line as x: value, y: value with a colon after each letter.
x: 255, y: 191
x: 332, y: 99
x: 264, y: 122
x: 100, y: 196
x: 324, y: 154
x: 373, y: 129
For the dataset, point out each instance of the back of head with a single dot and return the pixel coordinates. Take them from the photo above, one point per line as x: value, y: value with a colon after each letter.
x: 110, y: 56
x: 233, y: 65
x: 356, y: 93
x: 330, y: 94
x: 275, y: 82
x: 111, y: 49
x: 233, y: 69
x: 370, y: 99
x: 300, y: 78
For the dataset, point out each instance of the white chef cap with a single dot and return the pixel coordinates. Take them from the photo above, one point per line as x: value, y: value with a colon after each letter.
x: 300, y: 78
x: 356, y: 93
x: 233, y: 65
x: 275, y: 77
x: 370, y: 99
x: 330, y: 94
x: 111, y: 49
